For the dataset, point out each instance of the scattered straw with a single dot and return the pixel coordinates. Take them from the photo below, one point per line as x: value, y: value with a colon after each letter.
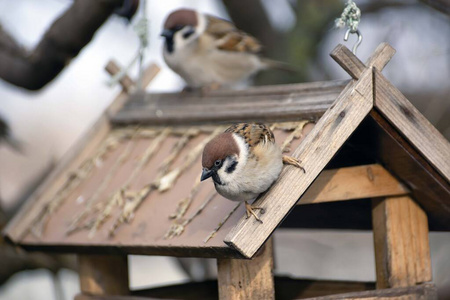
x: 178, y: 227
x: 167, y: 181
x: 133, y: 202
x: 73, y: 181
x: 183, y: 204
x: 294, y: 135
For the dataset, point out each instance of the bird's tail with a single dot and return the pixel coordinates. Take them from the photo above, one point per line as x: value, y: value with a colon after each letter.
x: 278, y: 65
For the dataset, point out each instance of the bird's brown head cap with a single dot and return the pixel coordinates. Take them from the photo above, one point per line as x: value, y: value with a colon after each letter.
x: 181, y: 17
x: 219, y: 148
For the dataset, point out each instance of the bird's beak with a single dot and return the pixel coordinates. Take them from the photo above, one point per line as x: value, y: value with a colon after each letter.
x: 167, y: 33
x: 206, y: 174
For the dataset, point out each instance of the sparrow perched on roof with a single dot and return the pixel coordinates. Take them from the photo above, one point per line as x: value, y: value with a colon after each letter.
x: 244, y: 162
x: 208, y: 51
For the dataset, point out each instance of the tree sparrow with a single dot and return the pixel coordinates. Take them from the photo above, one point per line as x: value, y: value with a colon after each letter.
x: 244, y: 162
x: 208, y: 51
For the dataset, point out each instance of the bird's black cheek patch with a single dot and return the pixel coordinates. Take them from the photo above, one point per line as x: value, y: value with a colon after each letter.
x: 169, y: 45
x: 216, y: 179
x: 231, y: 167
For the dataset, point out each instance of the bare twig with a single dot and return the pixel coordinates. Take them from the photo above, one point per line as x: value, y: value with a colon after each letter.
x: 56, y: 49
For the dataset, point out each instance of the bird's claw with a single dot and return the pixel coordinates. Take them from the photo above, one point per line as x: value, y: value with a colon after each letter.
x: 289, y: 160
x: 251, y: 211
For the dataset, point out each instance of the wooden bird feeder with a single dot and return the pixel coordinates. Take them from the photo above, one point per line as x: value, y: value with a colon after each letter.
x: 131, y: 186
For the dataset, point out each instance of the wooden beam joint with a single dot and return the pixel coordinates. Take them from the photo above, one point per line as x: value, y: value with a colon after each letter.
x: 354, y: 67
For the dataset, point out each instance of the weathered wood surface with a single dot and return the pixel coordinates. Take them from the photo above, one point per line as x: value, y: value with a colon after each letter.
x: 402, y: 254
x: 381, y: 56
x: 321, y: 144
x: 247, y: 279
x: 390, y: 102
x: 420, y: 292
x: 269, y: 103
x: 379, y: 139
x: 354, y: 67
x: 103, y: 274
x: 359, y: 182
x: 145, y: 232
x: 19, y: 226
x: 285, y: 289
x: 348, y: 61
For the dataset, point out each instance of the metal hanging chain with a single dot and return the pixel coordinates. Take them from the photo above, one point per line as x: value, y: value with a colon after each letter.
x: 350, y: 17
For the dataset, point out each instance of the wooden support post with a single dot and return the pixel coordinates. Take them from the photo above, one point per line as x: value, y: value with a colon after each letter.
x: 402, y: 254
x: 247, y: 279
x: 103, y: 274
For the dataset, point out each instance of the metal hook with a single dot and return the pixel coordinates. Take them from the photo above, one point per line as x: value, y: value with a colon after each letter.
x: 360, y: 37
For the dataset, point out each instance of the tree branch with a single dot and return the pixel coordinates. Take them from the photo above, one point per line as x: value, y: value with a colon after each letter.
x: 61, y: 43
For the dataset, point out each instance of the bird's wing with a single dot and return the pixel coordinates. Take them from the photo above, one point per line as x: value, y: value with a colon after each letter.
x: 229, y: 38
x: 254, y: 134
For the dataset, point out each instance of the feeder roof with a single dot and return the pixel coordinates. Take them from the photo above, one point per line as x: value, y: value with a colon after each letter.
x: 132, y: 184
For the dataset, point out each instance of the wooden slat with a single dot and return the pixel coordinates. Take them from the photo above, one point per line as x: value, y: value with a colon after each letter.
x: 348, y: 61
x: 354, y: 67
x: 305, y: 290
x: 103, y: 274
x: 402, y: 254
x: 390, y: 102
x: 377, y: 139
x: 359, y: 182
x: 89, y: 142
x: 285, y: 288
x: 420, y: 292
x: 149, y: 74
x: 321, y: 144
x: 381, y: 56
x: 273, y: 103
x: 247, y: 279
x: 126, y: 82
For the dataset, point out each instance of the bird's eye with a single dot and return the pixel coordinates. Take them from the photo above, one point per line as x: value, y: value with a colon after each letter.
x: 188, y: 33
x: 217, y: 162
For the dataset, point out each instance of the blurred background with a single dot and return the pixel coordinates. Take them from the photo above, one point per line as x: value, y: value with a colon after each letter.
x: 47, y: 119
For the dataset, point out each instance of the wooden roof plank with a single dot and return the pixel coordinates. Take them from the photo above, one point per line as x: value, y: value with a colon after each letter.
x: 348, y: 61
x: 381, y: 56
x: 412, y: 125
x: 354, y: 67
x: 269, y: 103
x: 321, y: 144
x: 90, y: 140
